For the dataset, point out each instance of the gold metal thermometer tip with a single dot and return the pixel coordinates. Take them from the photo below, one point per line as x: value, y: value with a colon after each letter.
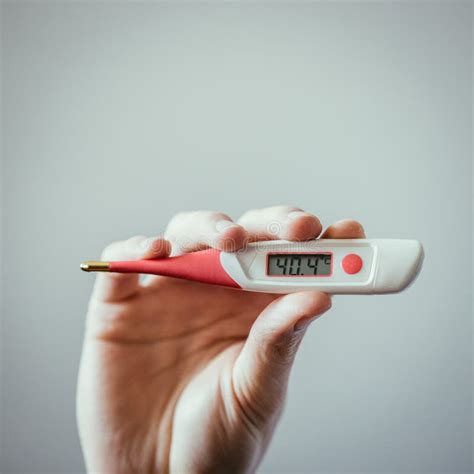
x: 95, y: 266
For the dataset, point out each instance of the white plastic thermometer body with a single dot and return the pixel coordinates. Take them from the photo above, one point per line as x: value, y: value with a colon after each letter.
x: 349, y: 266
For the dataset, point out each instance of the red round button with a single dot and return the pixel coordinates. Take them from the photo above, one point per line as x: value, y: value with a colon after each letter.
x: 352, y: 263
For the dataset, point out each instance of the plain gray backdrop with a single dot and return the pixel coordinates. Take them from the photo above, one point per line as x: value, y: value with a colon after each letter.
x: 118, y: 115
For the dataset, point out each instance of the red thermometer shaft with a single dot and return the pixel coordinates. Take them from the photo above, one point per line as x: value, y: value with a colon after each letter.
x: 204, y: 266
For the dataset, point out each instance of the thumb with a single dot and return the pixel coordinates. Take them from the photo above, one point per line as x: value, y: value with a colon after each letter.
x: 262, y: 369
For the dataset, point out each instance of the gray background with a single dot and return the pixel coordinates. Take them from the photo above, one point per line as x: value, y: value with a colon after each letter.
x: 116, y: 116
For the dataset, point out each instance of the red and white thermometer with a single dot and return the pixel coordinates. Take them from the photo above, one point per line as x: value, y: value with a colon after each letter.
x: 352, y: 266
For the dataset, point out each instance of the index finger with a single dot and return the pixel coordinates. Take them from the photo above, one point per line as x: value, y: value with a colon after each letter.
x: 280, y: 222
x: 198, y: 230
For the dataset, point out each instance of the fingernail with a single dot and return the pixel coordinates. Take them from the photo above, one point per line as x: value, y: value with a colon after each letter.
x: 296, y: 214
x: 305, y: 321
x: 222, y: 226
x: 302, y: 324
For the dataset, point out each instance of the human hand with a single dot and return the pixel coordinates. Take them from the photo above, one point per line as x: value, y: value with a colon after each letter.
x: 179, y: 376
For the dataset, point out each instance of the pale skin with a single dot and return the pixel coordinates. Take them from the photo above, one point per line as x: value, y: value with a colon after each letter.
x: 184, y: 377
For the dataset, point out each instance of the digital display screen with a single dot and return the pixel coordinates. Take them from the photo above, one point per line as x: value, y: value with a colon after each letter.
x: 303, y: 264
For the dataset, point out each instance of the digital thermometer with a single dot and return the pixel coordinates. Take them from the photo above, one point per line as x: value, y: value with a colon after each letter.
x: 337, y: 266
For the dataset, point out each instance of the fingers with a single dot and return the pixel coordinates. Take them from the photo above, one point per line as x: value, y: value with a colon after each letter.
x: 116, y: 286
x: 191, y: 231
x: 280, y: 222
x: 345, y: 229
x: 263, y: 366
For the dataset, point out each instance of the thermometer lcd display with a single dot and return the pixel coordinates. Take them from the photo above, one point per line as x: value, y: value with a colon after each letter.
x: 307, y: 264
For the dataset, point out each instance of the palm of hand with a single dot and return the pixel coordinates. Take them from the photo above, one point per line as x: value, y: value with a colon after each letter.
x: 165, y: 346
